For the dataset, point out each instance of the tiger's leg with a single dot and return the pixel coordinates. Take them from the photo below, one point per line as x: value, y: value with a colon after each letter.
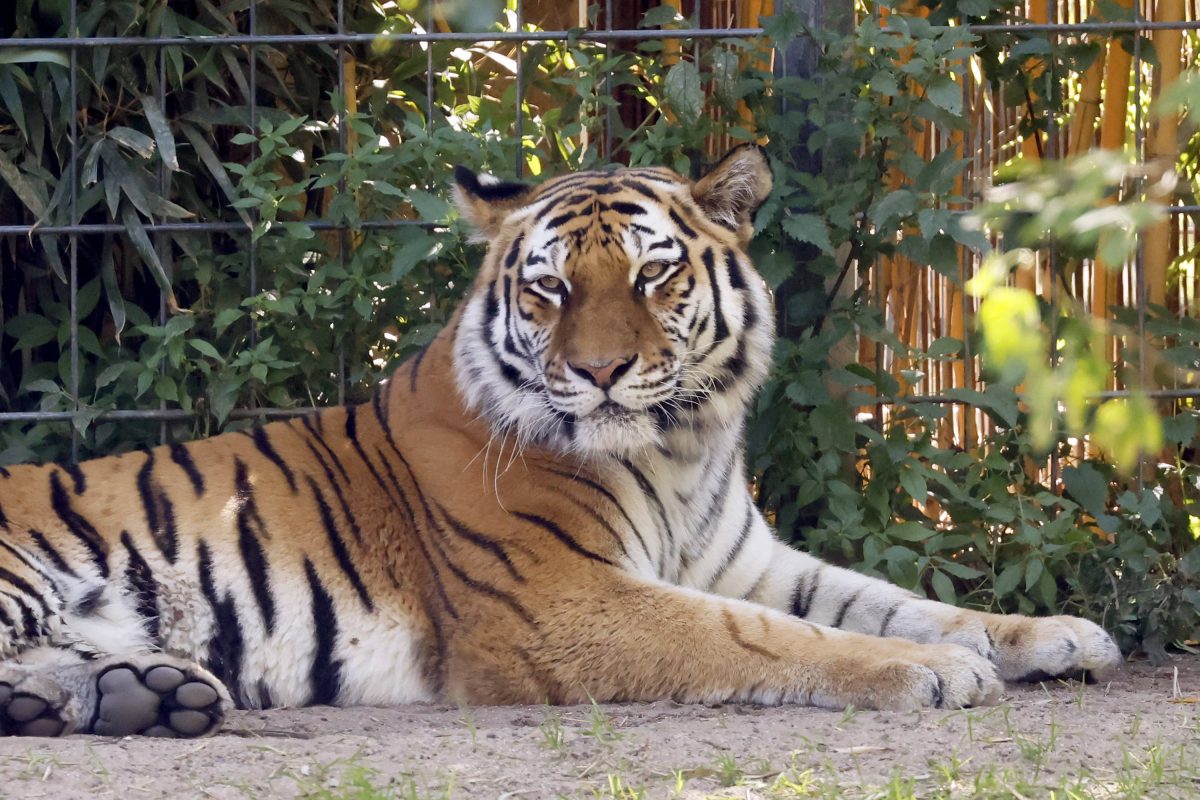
x: 50, y: 691
x: 609, y: 636
x: 1023, y: 648
x: 50, y: 615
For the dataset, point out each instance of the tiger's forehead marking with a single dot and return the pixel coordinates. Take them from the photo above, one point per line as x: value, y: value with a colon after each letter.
x: 633, y: 211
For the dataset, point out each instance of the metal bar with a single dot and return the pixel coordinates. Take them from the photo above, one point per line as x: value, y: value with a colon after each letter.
x: 367, y: 38
x: 178, y: 414
x: 206, y: 227
x: 1139, y: 257
x: 154, y: 415
x: 163, y: 256
x: 341, y: 184
x: 73, y: 177
x: 520, y: 96
x: 1109, y: 26
x: 608, y: 108
x: 252, y: 55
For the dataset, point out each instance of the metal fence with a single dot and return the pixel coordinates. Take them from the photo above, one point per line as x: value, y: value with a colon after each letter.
x: 342, y: 39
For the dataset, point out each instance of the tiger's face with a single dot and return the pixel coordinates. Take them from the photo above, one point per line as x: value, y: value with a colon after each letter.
x: 614, y: 309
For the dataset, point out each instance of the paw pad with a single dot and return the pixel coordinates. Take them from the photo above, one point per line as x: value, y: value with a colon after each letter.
x: 25, y: 714
x: 165, y: 702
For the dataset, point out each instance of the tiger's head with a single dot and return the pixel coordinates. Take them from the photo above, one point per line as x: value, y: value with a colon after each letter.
x: 615, y: 310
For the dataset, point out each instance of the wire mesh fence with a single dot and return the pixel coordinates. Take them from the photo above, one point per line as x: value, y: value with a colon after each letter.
x: 921, y: 306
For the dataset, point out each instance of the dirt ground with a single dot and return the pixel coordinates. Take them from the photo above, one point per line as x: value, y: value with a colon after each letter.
x: 1143, y: 721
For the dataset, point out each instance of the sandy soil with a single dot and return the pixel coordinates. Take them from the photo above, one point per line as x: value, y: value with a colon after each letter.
x: 535, y: 752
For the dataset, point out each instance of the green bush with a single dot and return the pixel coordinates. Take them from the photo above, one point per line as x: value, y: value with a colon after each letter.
x: 286, y: 313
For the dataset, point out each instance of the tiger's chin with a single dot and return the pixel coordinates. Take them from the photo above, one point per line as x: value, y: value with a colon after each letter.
x: 614, y: 433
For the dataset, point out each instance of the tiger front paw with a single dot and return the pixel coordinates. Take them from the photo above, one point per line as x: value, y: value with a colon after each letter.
x: 912, y: 676
x: 1039, y: 648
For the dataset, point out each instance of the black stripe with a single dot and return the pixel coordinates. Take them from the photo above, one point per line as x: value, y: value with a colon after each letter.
x: 562, y: 219
x: 262, y: 441
x: 416, y: 368
x: 250, y: 527
x: 420, y: 540
x: 514, y: 252
x: 29, y: 622
x: 601, y: 521
x: 4, y: 473
x: 5, y: 620
x: 803, y: 594
x: 338, y: 546
x: 181, y: 456
x: 77, y: 477
x: 630, y: 209
x: 841, y: 614
x: 226, y: 643
x: 337, y: 491
x: 160, y: 511
x: 562, y: 536
x: 887, y: 620
x: 139, y: 581
x: 642, y: 189
x: 604, y: 492
x: 485, y: 589
x: 24, y: 586
x: 78, y: 525
x: 25, y: 559
x: 721, y: 332
x: 3, y: 519
x: 483, y: 542
x: 688, y: 231
x: 649, y: 491
x: 381, y: 411
x: 51, y: 553
x: 325, y: 675
x: 319, y: 437
x: 736, y: 279
x: 737, y: 548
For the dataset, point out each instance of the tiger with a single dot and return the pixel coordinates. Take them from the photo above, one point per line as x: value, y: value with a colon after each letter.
x: 548, y: 504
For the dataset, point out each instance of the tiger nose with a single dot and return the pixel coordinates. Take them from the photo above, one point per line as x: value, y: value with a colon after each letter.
x: 601, y: 374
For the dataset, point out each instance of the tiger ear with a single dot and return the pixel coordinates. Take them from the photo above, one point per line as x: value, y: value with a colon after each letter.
x: 485, y: 202
x: 734, y: 189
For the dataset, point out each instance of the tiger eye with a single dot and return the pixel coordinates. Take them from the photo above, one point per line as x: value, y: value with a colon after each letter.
x: 653, y: 270
x: 550, y: 283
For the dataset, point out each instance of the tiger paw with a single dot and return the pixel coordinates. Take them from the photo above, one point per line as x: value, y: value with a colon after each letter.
x: 34, y: 705
x: 1037, y: 648
x: 909, y: 676
x: 156, y: 696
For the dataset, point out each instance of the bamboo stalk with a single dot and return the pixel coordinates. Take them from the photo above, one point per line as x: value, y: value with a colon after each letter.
x: 1163, y: 144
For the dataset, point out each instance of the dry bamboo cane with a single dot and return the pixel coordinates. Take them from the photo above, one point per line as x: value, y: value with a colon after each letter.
x: 1163, y: 144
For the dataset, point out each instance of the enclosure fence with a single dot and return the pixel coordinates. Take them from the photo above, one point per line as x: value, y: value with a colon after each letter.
x: 990, y: 142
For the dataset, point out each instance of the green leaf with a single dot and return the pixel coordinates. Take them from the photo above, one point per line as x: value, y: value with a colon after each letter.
x: 137, y: 235
x: 908, y: 532
x: 944, y: 346
x: 659, y: 16
x: 893, y: 205
x: 943, y: 587
x: 914, y: 483
x: 419, y: 246
x: 30, y: 330
x: 136, y: 141
x: 684, y: 92
x: 809, y: 229
x: 1006, y: 581
x: 21, y: 186
x: 162, y: 132
x: 430, y: 207
x: 214, y: 166
x: 35, y: 55
x: 1087, y: 486
x: 944, y: 93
